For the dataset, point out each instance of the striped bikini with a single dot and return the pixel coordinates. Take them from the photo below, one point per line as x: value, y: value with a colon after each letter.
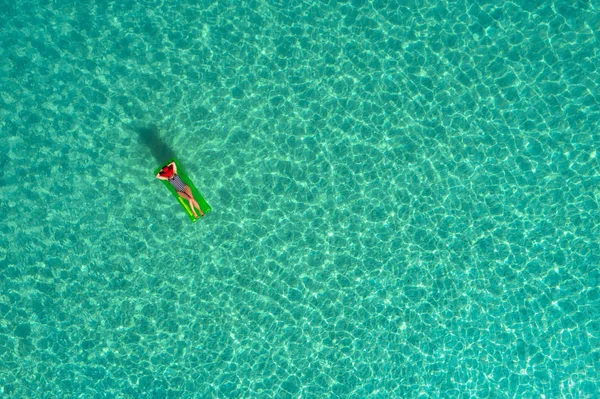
x: 176, y: 182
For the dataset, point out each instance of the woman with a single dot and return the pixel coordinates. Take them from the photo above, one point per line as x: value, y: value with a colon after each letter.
x: 169, y: 173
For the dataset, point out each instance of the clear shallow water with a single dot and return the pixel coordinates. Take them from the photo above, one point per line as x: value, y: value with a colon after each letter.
x: 405, y: 200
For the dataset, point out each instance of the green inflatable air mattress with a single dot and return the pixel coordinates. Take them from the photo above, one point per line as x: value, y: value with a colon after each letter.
x: 186, y: 180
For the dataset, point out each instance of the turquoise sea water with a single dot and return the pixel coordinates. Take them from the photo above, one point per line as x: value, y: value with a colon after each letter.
x: 405, y: 199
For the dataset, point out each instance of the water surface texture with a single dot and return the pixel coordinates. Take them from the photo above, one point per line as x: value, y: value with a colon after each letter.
x: 405, y: 199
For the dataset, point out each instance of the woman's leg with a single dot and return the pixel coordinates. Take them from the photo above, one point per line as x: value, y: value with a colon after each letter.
x: 188, y: 191
x: 189, y: 199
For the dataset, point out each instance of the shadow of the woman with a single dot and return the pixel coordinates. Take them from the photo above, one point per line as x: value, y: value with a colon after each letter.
x: 160, y: 150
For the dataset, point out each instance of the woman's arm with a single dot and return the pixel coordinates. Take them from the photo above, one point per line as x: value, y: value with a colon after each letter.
x: 158, y: 176
x: 174, y: 167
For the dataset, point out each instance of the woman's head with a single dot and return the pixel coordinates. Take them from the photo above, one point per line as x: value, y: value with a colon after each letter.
x: 167, y: 171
